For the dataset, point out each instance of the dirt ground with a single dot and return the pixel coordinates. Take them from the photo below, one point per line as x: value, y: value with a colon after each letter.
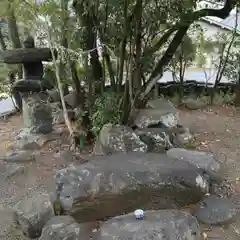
x: 216, y: 130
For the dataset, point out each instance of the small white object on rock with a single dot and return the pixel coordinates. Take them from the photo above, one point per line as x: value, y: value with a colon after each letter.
x: 139, y: 214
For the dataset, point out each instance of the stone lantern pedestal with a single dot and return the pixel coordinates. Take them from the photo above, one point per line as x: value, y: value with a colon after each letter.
x: 37, y: 114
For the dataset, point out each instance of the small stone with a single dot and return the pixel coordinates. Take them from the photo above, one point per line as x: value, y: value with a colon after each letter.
x: 32, y: 214
x: 14, y: 170
x: 28, y: 141
x: 61, y: 228
x: 19, y: 156
x: 193, y: 104
x: 215, y: 210
x: 185, y: 138
x: 66, y: 155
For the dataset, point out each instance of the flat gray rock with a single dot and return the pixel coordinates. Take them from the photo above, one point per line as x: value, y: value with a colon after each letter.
x: 32, y: 214
x: 14, y: 170
x: 202, y: 160
x: 193, y: 104
x: 9, y: 171
x: 161, y: 103
x: 157, y: 225
x: 215, y: 210
x: 61, y: 228
x: 19, y: 156
x: 25, y: 140
x: 111, y: 185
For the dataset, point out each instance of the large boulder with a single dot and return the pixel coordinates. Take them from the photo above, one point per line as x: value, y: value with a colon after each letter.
x: 110, y: 185
x: 157, y: 225
x: 159, y: 111
x: 32, y: 214
x: 61, y: 228
x: 119, y: 138
x: 203, y: 160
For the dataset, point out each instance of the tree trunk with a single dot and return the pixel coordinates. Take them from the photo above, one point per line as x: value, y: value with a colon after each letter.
x: 110, y: 69
x: 126, y: 104
x: 138, y: 48
x: 123, y: 45
x: 13, y: 34
x: 91, y: 46
x: 2, y: 42
x: 64, y: 43
x: 237, y: 93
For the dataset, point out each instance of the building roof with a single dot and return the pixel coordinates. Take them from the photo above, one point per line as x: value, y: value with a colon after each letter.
x: 228, y: 23
x: 207, y: 76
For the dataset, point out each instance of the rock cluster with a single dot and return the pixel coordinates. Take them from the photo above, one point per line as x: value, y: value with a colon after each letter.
x: 130, y: 175
x: 156, y: 129
x: 109, y: 186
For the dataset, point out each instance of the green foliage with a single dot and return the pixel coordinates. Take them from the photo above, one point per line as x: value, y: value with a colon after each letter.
x: 232, y: 68
x: 224, y: 98
x: 183, y: 58
x: 204, y: 46
x: 186, y: 50
x: 4, y: 84
x: 106, y: 110
x: 49, y: 74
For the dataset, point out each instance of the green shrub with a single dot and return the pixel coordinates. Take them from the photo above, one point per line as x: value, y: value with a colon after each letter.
x: 224, y: 98
x: 106, y: 110
x: 49, y: 74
